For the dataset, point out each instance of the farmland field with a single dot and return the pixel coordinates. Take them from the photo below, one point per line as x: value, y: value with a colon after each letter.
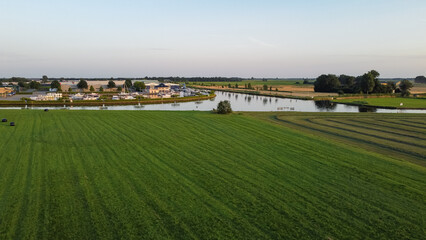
x: 197, y: 175
x: 272, y: 82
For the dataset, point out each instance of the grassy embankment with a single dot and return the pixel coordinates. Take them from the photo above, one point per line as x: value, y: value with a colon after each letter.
x: 183, y: 175
x: 107, y: 102
x: 387, y: 102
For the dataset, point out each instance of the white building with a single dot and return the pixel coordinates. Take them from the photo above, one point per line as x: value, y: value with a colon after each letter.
x: 47, y: 97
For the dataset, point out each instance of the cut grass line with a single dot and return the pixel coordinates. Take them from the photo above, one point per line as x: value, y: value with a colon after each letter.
x: 376, y: 133
x: 362, y: 139
x: 417, y: 127
x: 413, y: 157
x: 381, y: 127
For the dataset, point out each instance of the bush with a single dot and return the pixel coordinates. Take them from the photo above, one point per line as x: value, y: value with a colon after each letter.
x: 224, y: 107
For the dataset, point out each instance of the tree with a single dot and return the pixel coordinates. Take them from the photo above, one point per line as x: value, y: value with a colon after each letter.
x: 69, y: 89
x: 55, y: 84
x: 128, y: 83
x: 139, y: 86
x: 405, y: 87
x: 34, y: 85
x: 82, y: 84
x: 44, y: 78
x: 119, y: 88
x: 101, y: 89
x: 265, y: 87
x: 92, y: 89
x: 59, y: 88
x: 369, y: 81
x: 224, y: 107
x: 420, y: 79
x: 346, y: 81
x: 22, y: 84
x: 390, y: 87
x: 111, y: 84
x: 249, y: 86
x: 326, y: 83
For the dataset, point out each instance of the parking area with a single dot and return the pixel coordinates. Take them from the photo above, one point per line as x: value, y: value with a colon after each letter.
x: 16, y: 97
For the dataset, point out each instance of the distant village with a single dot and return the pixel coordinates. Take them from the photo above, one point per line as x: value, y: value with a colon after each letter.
x: 117, y: 90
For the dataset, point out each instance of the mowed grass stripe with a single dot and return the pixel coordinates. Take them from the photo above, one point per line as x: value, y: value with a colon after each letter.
x: 400, y: 125
x: 371, y: 139
x: 386, y: 128
x: 370, y: 133
x: 417, y: 121
x: 350, y: 139
x: 416, y: 127
x: 382, y: 129
x: 311, y: 125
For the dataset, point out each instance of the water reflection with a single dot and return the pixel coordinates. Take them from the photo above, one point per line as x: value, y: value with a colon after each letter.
x: 325, y: 105
x: 367, y: 109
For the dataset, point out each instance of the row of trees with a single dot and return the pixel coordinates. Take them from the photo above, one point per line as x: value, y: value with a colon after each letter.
x: 420, y: 79
x: 138, y: 86
x: 366, y: 83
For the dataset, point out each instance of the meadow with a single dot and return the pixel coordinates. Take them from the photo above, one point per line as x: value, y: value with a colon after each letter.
x: 388, y: 102
x: 198, y: 175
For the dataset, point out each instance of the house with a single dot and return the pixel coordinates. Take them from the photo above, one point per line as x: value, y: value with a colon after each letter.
x: 4, y: 91
x: 156, y: 89
x: 47, y: 97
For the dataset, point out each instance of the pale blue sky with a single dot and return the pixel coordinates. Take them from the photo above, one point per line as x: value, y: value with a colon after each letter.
x: 259, y: 38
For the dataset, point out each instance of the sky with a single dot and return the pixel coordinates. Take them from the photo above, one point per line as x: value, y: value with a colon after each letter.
x: 230, y: 38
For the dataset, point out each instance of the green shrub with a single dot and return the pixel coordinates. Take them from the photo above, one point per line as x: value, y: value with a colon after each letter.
x: 224, y: 107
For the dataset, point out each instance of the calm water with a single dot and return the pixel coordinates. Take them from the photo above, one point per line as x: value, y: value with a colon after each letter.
x: 249, y: 103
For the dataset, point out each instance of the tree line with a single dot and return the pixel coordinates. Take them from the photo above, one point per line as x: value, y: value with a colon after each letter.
x: 365, y: 84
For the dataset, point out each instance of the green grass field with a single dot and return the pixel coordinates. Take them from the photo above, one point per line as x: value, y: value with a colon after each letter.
x: 389, y: 102
x: 197, y: 175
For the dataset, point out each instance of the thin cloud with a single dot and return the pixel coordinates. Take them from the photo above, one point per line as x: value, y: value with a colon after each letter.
x: 160, y: 49
x: 260, y: 42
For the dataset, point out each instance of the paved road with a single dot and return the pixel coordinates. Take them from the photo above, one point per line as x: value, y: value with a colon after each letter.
x: 16, y: 97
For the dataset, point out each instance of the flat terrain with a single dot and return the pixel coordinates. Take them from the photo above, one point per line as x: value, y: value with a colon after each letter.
x: 197, y: 175
x: 252, y: 82
x: 388, y: 102
x: 418, y: 88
